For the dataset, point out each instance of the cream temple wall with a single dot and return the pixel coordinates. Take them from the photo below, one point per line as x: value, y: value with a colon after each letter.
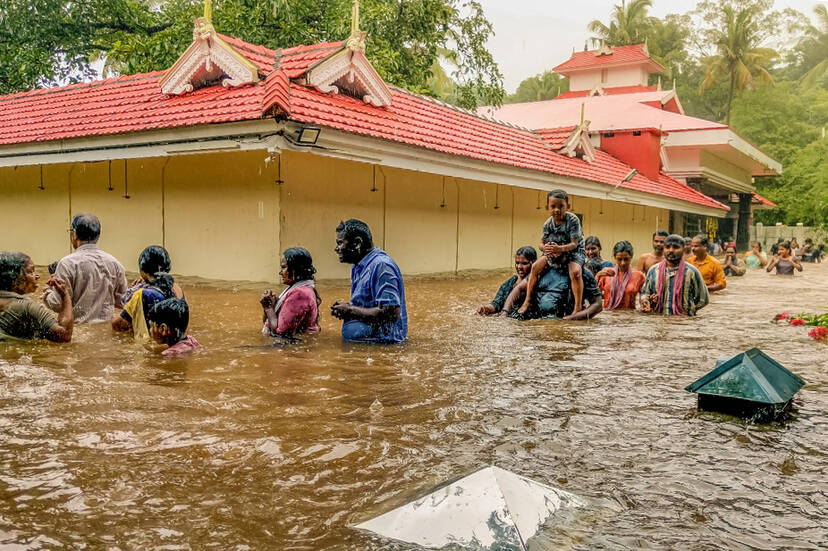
x: 614, y: 76
x: 229, y: 215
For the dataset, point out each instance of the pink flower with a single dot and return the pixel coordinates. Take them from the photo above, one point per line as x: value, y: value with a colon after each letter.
x: 796, y: 321
x: 818, y: 333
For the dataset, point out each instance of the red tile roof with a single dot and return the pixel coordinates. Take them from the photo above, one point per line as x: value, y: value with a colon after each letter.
x: 759, y: 200
x: 263, y: 58
x: 135, y: 103
x: 555, y: 137
x: 277, y: 92
x: 620, y: 55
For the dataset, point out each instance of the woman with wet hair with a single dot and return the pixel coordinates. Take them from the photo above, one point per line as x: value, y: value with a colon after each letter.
x: 784, y: 261
x: 621, y: 284
x: 156, y: 284
x: 592, y: 246
x: 20, y: 316
x: 524, y: 258
x: 296, y: 309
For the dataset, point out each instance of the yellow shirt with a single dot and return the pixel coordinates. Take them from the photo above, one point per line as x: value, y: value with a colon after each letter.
x: 711, y: 270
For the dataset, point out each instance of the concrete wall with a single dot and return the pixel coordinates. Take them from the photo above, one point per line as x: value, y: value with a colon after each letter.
x: 227, y: 216
x: 217, y: 214
x: 768, y: 235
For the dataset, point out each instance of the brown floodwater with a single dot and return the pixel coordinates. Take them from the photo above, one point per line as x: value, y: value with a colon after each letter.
x: 104, y: 445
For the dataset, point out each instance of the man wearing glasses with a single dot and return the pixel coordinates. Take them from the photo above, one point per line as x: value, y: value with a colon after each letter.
x: 94, y: 278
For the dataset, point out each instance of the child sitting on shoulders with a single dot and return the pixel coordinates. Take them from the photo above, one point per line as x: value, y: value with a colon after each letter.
x: 168, y: 321
x: 561, y: 234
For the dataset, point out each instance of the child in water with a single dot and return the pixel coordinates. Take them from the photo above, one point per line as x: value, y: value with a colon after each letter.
x: 562, y: 234
x: 168, y: 321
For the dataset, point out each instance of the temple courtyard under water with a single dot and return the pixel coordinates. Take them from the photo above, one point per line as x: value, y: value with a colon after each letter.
x: 105, y: 445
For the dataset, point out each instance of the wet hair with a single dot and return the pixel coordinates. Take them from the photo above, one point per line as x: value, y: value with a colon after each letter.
x: 172, y: 312
x: 11, y: 267
x: 529, y: 252
x: 87, y: 227
x: 356, y: 228
x: 299, y: 263
x: 674, y: 239
x: 155, y: 262
x: 703, y: 239
x: 623, y: 247
x: 785, y: 244
x: 592, y: 240
x: 557, y: 194
x: 154, y: 259
x: 662, y: 233
x: 52, y: 268
x: 593, y: 265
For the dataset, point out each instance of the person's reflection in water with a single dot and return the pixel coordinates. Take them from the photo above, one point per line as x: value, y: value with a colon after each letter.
x: 376, y: 312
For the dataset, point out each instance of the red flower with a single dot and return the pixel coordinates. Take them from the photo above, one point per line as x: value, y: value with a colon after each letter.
x: 782, y: 316
x: 796, y: 321
x: 818, y: 333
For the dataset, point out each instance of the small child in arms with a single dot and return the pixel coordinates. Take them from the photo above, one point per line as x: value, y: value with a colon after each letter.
x: 168, y: 321
x: 563, y: 245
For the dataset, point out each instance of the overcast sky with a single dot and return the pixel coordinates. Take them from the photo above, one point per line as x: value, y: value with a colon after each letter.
x: 532, y: 36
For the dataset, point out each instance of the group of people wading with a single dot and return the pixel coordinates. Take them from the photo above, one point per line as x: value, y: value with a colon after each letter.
x: 569, y: 281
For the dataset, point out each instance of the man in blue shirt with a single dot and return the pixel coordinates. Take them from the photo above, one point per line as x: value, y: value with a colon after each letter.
x: 554, y: 295
x: 376, y: 312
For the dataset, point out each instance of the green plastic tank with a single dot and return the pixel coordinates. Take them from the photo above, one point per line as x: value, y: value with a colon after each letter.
x: 750, y: 384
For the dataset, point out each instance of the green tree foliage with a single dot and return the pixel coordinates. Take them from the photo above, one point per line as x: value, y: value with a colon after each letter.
x: 667, y: 43
x: 58, y: 39
x: 544, y: 86
x: 739, y: 58
x: 787, y: 122
x: 46, y: 41
x: 628, y: 25
x: 814, y: 49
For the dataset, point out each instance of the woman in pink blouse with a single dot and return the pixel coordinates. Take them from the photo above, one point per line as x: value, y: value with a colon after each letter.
x: 296, y: 309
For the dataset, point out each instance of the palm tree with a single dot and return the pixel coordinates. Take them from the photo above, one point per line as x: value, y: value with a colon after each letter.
x: 739, y: 57
x: 628, y: 24
x: 818, y: 42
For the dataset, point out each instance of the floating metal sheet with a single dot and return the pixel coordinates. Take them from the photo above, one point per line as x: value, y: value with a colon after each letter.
x: 489, y: 509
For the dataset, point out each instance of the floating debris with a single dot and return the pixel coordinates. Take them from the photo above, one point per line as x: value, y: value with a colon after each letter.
x: 487, y: 510
x: 751, y: 385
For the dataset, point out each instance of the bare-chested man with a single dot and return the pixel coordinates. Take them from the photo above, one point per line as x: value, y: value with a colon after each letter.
x: 648, y: 260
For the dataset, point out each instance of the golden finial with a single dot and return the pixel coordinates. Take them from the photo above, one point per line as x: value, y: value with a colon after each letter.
x: 208, y: 10
x: 356, y: 41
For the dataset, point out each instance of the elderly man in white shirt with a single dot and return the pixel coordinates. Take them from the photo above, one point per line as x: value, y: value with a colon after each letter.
x: 95, y: 279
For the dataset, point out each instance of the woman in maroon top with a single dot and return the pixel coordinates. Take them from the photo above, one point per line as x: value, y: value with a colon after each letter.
x: 296, y: 309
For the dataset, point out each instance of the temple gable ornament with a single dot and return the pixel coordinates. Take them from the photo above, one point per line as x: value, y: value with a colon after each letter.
x: 349, y: 71
x: 207, y: 60
x: 578, y: 144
